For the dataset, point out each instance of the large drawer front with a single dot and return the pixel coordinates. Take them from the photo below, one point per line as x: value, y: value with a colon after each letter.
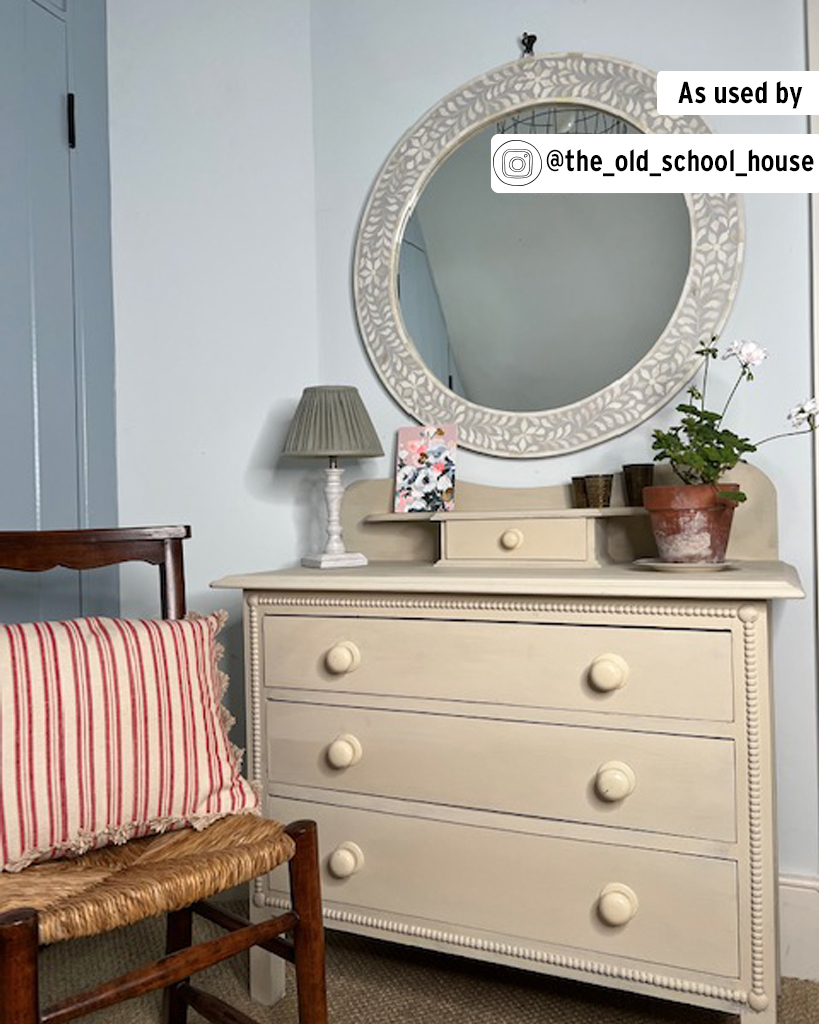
x: 675, y: 673
x: 532, y: 887
x: 682, y: 785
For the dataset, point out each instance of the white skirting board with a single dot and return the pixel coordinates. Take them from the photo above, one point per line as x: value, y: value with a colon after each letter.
x: 799, y: 926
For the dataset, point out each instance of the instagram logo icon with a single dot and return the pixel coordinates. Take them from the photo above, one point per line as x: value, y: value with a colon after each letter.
x: 516, y: 162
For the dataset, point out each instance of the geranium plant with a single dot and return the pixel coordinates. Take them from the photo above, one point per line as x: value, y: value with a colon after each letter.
x: 700, y: 449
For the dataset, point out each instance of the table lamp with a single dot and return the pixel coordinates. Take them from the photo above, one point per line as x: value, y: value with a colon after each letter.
x: 330, y: 421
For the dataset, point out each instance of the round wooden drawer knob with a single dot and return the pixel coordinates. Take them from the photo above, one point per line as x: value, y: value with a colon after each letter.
x: 344, y: 751
x: 511, y: 539
x: 346, y: 860
x: 614, y: 781
x: 342, y: 658
x: 608, y: 672
x: 617, y: 904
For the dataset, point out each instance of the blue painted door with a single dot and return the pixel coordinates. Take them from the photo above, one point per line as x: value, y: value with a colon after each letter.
x: 46, y: 382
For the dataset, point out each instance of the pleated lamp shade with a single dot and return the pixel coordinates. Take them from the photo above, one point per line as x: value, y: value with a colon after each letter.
x: 331, y: 420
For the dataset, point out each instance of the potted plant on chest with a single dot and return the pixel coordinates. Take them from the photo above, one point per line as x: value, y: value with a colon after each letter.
x: 692, y: 521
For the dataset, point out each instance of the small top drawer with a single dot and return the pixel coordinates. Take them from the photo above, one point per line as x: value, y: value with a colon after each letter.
x: 517, y: 540
x: 672, y: 673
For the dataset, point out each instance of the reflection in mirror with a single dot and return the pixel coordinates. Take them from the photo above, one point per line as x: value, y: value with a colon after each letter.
x: 563, y: 119
x: 530, y: 302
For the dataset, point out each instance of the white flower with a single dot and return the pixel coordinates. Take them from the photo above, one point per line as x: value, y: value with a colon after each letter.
x: 424, y: 482
x: 444, y: 483
x: 747, y: 352
x: 803, y: 413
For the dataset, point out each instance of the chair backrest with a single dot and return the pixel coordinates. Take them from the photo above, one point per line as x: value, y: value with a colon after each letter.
x: 39, y: 550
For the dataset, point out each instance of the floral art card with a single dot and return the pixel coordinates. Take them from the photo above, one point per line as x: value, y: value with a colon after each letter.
x: 425, y: 469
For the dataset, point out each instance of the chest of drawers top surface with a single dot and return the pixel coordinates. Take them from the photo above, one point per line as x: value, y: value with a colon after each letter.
x: 751, y: 580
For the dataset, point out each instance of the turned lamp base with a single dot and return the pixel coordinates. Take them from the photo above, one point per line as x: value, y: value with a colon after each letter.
x: 335, y: 555
x: 342, y: 561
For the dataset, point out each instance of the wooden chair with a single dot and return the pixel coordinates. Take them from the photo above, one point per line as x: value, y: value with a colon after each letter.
x: 185, y: 866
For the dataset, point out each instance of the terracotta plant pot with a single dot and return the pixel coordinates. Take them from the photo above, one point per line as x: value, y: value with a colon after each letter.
x: 691, y: 522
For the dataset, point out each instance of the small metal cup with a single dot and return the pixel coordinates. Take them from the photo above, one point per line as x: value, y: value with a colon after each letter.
x: 579, y: 499
x: 598, y: 489
x: 636, y: 476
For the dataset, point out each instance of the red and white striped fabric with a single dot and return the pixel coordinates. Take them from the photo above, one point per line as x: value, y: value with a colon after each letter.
x: 111, y: 729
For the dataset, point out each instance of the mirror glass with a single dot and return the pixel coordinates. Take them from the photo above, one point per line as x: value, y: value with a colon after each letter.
x: 536, y: 301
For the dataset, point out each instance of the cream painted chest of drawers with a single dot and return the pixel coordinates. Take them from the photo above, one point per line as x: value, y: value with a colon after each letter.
x: 569, y: 771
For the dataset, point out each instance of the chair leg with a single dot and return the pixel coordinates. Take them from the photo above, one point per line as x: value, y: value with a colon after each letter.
x: 179, y: 935
x: 308, y: 937
x: 19, y: 1003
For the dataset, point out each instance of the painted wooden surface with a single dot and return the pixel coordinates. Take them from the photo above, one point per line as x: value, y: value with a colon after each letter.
x: 462, y: 771
x: 682, y: 784
x: 673, y: 673
x: 532, y: 888
x: 515, y: 540
x: 753, y: 579
x: 414, y: 538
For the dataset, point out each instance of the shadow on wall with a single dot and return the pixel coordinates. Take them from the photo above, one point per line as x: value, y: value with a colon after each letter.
x: 282, y: 483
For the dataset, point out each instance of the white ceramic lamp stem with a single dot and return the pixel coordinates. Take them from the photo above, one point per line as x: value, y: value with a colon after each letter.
x: 334, y: 492
x: 335, y: 555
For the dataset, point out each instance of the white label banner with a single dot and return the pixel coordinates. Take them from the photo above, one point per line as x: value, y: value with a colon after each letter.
x: 655, y: 163
x: 738, y: 92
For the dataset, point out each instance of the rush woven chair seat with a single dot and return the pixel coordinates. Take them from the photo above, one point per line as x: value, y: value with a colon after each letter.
x: 170, y: 873
x: 120, y: 885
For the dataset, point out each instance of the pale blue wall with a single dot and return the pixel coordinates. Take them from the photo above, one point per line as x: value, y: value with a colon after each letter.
x: 213, y: 220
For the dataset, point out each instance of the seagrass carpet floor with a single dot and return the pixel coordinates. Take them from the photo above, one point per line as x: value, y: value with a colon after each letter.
x: 379, y: 983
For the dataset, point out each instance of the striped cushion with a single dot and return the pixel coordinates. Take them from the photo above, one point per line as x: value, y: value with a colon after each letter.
x: 110, y: 729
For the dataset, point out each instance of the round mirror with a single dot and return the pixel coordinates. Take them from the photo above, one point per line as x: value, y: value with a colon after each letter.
x: 532, y: 301
x: 539, y: 324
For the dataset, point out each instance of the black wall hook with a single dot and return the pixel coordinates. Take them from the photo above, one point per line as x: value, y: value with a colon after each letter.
x: 527, y: 42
